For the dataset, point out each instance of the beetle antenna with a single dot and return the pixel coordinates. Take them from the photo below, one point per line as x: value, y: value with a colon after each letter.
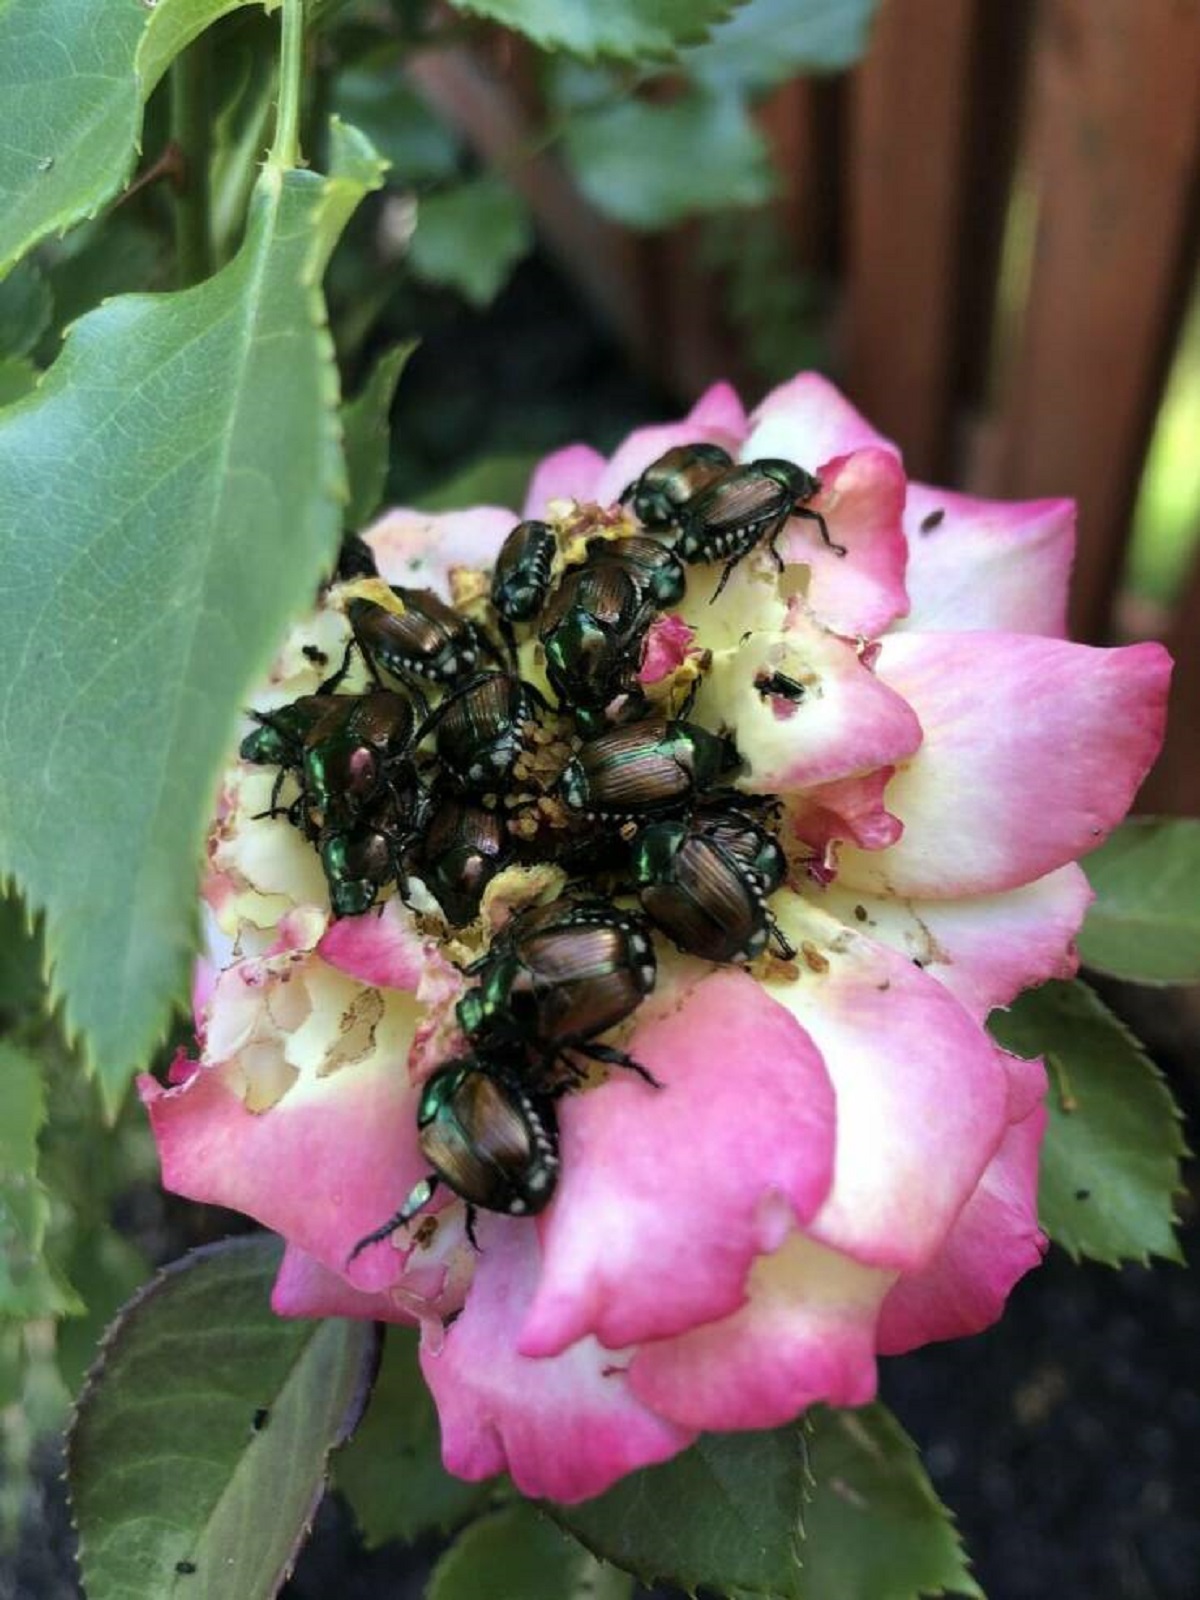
x: 420, y: 1195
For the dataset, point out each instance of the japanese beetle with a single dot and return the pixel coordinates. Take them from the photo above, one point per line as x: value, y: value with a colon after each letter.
x: 364, y: 856
x: 360, y: 745
x: 658, y: 496
x: 705, y: 898
x: 557, y: 976
x: 488, y: 1137
x: 482, y: 729
x: 278, y: 741
x: 745, y: 506
x: 461, y: 850
x: 593, y: 632
x: 428, y: 639
x: 654, y: 567
x: 645, y: 769
x: 521, y: 576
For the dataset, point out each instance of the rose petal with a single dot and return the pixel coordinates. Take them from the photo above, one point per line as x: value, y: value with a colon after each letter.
x: 848, y: 808
x: 323, y: 1167
x: 846, y: 722
x: 418, y: 549
x: 304, y: 1288
x: 667, y: 1195
x: 995, y: 1240
x: 920, y: 1093
x: 807, y: 1334
x: 985, y: 948
x: 1033, y: 750
x: 716, y: 418
x: 861, y: 499
x: 808, y: 421
x: 987, y: 564
x: 383, y: 947
x: 566, y: 1427
x: 667, y: 645
x: 571, y: 473
x: 431, y: 1288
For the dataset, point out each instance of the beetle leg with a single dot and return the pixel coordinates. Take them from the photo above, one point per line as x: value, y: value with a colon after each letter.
x: 781, y: 942
x: 334, y: 680
x: 766, y: 529
x: 810, y: 515
x: 420, y: 1196
x: 610, y: 1056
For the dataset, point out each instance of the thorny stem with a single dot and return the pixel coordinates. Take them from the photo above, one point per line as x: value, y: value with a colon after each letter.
x: 286, y: 150
x: 191, y: 82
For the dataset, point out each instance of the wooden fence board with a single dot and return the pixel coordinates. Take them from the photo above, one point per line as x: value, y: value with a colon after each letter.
x: 1112, y: 150
x: 907, y: 159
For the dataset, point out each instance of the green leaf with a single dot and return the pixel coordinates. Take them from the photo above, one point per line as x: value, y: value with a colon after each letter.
x: 26, y: 304
x: 17, y: 377
x: 28, y: 1285
x: 200, y: 1444
x: 397, y: 121
x: 113, y: 255
x: 104, y: 1269
x: 836, y: 1506
x: 650, y: 165
x: 20, y: 959
x: 726, y: 1514
x: 367, y: 434
x: 1110, y: 1161
x: 622, y: 29
x: 874, y: 1529
x: 1145, y: 922
x: 392, y: 1472
x: 169, y: 496
x: 469, y: 238
x: 73, y: 84
x: 769, y: 41
x: 519, y: 1552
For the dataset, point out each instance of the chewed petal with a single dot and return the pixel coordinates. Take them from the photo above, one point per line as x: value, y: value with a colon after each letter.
x: 383, y: 947
x: 667, y: 1195
x: 847, y: 809
x: 921, y: 1096
x: 862, y: 498
x: 806, y: 1334
x: 994, y: 1242
x: 571, y: 473
x: 985, y: 948
x: 418, y: 549
x: 326, y: 1164
x: 835, y: 721
x: 808, y: 421
x: 565, y: 1427
x: 304, y: 1288
x: 432, y: 1285
x: 716, y: 418
x: 1033, y: 750
x: 987, y: 564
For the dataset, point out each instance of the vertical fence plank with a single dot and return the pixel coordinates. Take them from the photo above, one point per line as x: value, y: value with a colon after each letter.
x: 907, y: 162
x: 1112, y: 150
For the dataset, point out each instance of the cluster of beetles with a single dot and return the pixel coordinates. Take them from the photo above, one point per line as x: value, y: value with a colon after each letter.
x: 613, y: 789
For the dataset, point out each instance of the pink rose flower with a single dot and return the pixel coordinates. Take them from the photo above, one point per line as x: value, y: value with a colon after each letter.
x: 840, y: 1163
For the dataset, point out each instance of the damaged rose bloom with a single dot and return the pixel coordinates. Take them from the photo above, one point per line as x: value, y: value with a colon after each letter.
x: 837, y: 1162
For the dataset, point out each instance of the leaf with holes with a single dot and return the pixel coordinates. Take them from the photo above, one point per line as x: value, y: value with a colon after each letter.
x: 392, y: 1473
x: 73, y: 80
x: 199, y: 1448
x: 1110, y: 1162
x: 1144, y: 924
x: 171, y: 494
x: 367, y: 434
x: 621, y: 29
x: 650, y: 165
